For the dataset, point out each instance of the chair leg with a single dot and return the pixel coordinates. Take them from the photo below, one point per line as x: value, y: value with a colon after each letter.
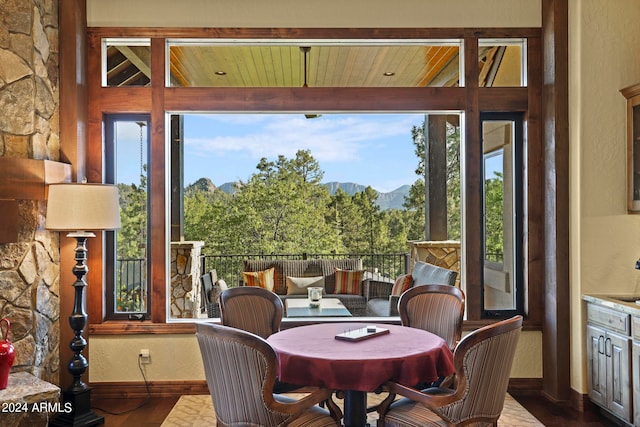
x: 334, y: 410
x: 374, y: 408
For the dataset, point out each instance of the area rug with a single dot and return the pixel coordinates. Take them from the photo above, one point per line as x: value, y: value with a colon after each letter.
x: 197, y: 411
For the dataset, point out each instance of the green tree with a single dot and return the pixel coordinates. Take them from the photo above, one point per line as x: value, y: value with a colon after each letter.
x: 454, y: 190
x: 350, y: 222
x: 395, y: 230
x: 132, y: 235
x: 365, y: 202
x: 131, y: 243
x: 415, y: 202
x: 282, y: 207
x: 494, y: 223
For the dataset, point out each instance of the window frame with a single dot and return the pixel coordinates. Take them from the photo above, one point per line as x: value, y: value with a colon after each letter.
x: 110, y: 236
x: 158, y: 99
x: 519, y: 144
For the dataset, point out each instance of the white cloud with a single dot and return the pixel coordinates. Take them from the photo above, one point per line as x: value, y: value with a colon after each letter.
x: 330, y: 138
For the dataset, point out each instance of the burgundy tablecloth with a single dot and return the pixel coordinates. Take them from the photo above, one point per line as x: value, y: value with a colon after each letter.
x: 310, y: 355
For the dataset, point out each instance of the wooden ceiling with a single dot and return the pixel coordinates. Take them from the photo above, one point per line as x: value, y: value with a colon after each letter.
x: 262, y: 65
x: 327, y: 66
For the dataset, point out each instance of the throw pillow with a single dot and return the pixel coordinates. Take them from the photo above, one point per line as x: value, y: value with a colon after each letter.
x: 299, y: 285
x: 348, y: 281
x: 263, y: 279
x: 402, y: 284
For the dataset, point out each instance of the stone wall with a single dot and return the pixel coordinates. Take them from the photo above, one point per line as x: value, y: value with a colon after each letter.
x: 29, y: 128
x: 186, y: 289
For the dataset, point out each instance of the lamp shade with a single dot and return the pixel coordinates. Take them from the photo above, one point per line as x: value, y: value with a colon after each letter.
x: 81, y: 207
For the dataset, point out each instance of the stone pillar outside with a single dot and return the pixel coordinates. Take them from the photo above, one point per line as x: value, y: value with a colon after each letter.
x: 185, y: 279
x: 445, y: 253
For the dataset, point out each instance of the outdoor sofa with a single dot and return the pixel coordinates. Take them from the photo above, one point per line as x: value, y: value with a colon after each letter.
x: 343, y: 279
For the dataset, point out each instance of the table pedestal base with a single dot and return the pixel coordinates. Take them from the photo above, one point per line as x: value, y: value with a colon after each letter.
x: 355, y: 408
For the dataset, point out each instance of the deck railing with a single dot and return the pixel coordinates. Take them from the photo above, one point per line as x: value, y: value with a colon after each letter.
x: 131, y: 272
x: 229, y: 266
x: 131, y: 281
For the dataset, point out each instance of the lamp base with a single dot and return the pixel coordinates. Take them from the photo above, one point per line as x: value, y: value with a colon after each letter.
x: 81, y: 414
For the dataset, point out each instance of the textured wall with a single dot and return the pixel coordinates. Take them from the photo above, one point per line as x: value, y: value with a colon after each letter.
x: 318, y: 14
x: 604, y: 239
x: 29, y: 100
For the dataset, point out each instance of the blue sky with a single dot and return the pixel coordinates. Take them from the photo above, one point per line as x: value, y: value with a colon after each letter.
x: 368, y: 149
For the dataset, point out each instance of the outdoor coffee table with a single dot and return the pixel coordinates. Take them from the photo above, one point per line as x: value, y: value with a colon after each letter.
x: 329, y: 307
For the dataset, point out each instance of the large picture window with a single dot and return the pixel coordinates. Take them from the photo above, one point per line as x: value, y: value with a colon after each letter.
x: 473, y: 186
x: 291, y: 186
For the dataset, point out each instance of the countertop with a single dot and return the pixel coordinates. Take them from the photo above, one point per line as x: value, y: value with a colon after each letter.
x: 623, y: 303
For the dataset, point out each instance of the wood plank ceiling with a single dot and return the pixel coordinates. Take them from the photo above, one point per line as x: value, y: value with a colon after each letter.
x: 262, y: 65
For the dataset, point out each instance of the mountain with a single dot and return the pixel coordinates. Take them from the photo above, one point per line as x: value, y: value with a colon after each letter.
x: 393, y: 199
x: 350, y: 188
x: 228, y: 187
x: 390, y: 200
x: 203, y: 184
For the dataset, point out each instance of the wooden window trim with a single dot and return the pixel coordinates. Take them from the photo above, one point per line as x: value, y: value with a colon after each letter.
x: 158, y: 99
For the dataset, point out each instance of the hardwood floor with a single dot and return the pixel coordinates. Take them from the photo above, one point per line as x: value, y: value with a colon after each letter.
x: 151, y: 412
x: 122, y: 413
x: 561, y: 416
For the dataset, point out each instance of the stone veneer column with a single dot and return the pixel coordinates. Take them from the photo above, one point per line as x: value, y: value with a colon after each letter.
x: 29, y: 129
x: 444, y: 253
x: 185, y: 279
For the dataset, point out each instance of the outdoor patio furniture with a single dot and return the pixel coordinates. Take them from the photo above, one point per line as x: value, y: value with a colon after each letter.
x: 355, y: 302
x: 383, y: 296
x: 329, y: 307
x: 212, y: 287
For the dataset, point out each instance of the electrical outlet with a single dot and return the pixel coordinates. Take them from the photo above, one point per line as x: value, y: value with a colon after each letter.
x: 145, y: 356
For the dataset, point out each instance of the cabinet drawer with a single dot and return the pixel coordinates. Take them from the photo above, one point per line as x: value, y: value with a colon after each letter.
x: 612, y: 319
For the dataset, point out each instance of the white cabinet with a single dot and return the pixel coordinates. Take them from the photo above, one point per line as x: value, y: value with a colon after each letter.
x: 609, y: 360
x: 635, y: 357
x: 635, y: 368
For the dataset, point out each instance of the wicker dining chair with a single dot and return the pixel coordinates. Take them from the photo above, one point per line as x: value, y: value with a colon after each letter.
x: 240, y: 369
x: 483, y: 361
x: 210, y: 293
x: 252, y: 309
x: 438, y: 309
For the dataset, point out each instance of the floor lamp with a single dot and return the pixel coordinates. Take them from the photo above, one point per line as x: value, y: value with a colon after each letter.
x: 79, y: 208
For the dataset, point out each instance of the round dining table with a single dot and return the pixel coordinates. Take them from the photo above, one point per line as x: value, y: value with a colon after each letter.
x: 312, y: 356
